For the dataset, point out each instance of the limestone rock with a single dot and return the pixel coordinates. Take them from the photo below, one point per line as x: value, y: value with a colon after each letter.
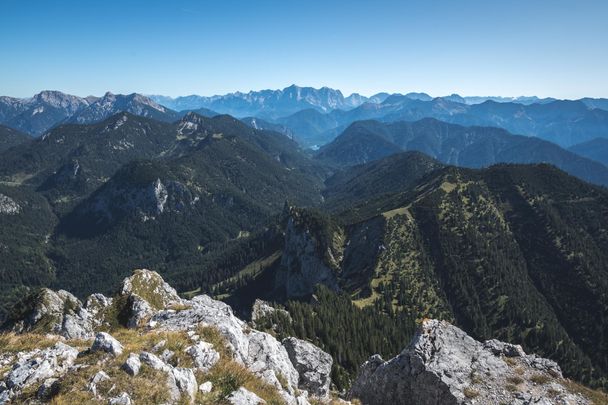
x: 99, y: 377
x: 38, y: 366
x: 302, y: 267
x: 132, y: 365
x: 151, y: 287
x: 55, y: 312
x: 106, y: 343
x: 206, y: 387
x: 122, y: 399
x: 185, y: 382
x: 8, y: 206
x: 154, y: 362
x: 258, y: 351
x: 443, y: 365
x: 48, y: 389
x: 203, y: 355
x: 262, y: 311
x: 312, y: 364
x: 95, y: 305
x: 243, y: 396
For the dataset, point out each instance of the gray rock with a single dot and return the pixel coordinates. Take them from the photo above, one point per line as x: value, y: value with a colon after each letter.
x: 302, y: 268
x: 95, y: 305
x: 443, y: 365
x: 154, y: 362
x: 139, y: 311
x: 106, y: 343
x: 185, y: 382
x: 206, y: 387
x: 48, y: 389
x: 39, y: 365
x: 159, y: 346
x: 203, y: 355
x: 56, y: 312
x: 262, y: 311
x: 243, y: 396
x: 312, y: 364
x: 98, y: 378
x: 132, y: 365
x: 151, y: 287
x: 167, y: 355
x: 122, y: 399
x: 8, y: 206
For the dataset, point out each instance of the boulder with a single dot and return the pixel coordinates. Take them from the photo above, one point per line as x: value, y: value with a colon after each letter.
x: 185, y: 381
x: 132, y: 365
x: 38, y: 366
x: 106, y: 343
x: 153, y: 361
x: 203, y: 355
x: 258, y: 351
x: 206, y: 387
x: 312, y: 364
x: 443, y: 365
x: 99, y: 377
x: 243, y: 396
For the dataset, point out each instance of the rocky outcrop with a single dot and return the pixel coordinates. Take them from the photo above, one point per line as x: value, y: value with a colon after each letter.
x: 38, y: 368
x: 262, y: 311
x: 312, y: 364
x: 104, y: 342
x: 8, y: 206
x: 152, y: 306
x: 443, y: 366
x: 54, y: 312
x: 306, y: 261
x: 258, y: 351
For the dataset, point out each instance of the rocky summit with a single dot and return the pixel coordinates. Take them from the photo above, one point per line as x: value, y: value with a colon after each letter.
x: 100, y: 350
x: 443, y: 365
x: 148, y: 345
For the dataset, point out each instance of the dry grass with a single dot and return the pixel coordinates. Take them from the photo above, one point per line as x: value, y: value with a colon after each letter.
x: 515, y: 380
x: 12, y: 343
x: 148, y: 387
x: 540, y: 379
x: 595, y: 396
x: 470, y: 392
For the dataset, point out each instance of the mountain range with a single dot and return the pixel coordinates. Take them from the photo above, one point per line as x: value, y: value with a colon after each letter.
x: 315, y: 117
x: 452, y: 144
x: 48, y: 109
x: 397, y: 219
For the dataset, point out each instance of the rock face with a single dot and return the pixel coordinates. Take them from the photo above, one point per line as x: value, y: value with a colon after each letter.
x: 55, y: 312
x: 302, y: 267
x: 443, y: 365
x: 313, y: 365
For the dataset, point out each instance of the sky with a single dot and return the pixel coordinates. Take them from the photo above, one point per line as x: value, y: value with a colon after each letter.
x: 551, y: 48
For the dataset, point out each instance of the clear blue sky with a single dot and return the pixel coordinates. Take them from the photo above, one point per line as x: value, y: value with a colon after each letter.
x: 512, y: 47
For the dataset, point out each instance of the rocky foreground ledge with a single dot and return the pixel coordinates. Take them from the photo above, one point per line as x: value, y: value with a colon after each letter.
x: 146, y: 345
